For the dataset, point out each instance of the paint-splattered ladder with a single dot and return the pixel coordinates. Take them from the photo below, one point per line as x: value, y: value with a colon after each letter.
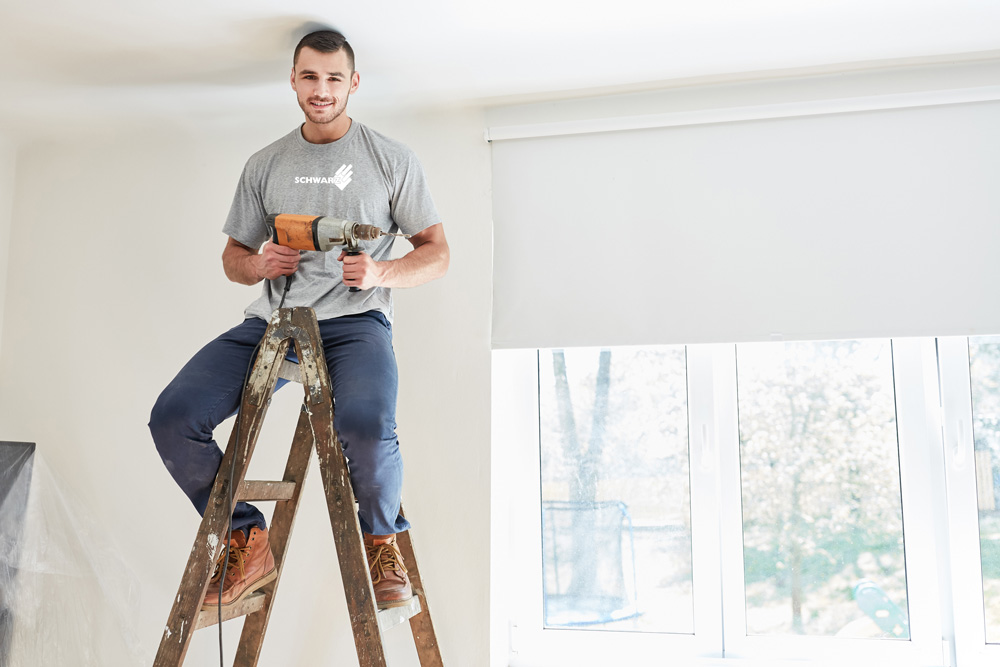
x: 315, y: 429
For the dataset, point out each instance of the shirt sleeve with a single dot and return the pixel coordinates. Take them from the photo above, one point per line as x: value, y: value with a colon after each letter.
x: 245, y: 223
x: 412, y: 207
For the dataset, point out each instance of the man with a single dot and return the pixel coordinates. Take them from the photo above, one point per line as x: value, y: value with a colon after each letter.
x: 330, y: 166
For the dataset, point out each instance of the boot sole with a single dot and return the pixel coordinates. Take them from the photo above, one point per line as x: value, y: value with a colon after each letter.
x: 255, y: 586
x: 389, y: 604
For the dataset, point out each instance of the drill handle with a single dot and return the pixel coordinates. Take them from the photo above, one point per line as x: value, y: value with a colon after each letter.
x: 353, y: 251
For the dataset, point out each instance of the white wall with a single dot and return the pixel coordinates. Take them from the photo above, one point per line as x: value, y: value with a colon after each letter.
x: 7, y: 160
x: 119, y: 282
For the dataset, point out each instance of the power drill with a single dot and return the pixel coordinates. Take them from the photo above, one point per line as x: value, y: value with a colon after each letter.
x: 308, y: 232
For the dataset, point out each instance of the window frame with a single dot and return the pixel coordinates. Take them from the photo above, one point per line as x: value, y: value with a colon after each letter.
x: 963, y: 508
x: 933, y: 397
x: 913, y: 365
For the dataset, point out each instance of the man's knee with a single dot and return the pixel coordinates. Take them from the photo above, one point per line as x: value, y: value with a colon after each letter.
x: 367, y: 430
x: 172, y: 416
x: 365, y: 422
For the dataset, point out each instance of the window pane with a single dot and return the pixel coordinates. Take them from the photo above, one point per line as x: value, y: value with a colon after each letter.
x: 616, y: 521
x: 822, y: 515
x: 984, y: 357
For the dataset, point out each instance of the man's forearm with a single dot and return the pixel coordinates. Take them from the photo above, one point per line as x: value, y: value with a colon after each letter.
x: 241, y: 264
x: 423, y: 264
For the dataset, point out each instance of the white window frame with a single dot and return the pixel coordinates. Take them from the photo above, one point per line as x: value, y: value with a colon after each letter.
x: 530, y: 643
x: 940, y: 526
x: 963, y: 515
x: 914, y: 372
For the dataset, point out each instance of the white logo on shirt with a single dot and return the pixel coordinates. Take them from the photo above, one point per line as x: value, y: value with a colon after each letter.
x: 340, y: 179
x: 343, y: 176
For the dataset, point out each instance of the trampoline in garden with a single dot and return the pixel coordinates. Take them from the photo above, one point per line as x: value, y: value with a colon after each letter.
x: 588, y: 563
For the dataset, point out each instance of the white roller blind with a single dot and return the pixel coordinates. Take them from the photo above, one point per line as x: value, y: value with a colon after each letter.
x: 883, y: 223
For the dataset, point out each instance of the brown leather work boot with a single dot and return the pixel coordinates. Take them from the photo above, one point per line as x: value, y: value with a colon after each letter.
x: 385, y: 565
x: 251, y: 566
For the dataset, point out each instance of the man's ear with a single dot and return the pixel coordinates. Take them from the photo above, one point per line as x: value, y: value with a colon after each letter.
x: 292, y: 79
x: 355, y: 82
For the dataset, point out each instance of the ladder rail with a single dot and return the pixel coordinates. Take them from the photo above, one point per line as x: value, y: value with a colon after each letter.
x: 252, y: 637
x: 339, y: 494
x: 421, y: 627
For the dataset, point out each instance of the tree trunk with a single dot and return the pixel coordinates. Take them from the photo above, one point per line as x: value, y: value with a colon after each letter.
x: 567, y: 422
x: 591, y: 463
x: 585, y: 467
x: 796, y: 556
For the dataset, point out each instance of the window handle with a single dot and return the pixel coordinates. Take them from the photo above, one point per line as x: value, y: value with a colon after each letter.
x: 958, y: 449
x: 706, y: 461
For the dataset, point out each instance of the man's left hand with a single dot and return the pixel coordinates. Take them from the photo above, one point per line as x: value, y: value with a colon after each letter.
x: 360, y: 270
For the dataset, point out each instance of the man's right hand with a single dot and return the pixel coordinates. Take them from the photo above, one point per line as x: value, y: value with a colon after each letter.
x: 277, y: 260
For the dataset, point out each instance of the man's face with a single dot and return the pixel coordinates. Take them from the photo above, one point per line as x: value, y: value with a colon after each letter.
x: 322, y: 82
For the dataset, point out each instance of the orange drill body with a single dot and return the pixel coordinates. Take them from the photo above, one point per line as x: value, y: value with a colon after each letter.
x: 294, y: 231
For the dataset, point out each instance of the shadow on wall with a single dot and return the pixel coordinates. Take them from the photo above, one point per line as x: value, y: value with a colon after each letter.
x: 66, y: 598
x: 223, y: 53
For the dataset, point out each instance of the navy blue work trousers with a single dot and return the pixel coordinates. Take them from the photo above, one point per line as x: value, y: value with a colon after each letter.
x: 362, y: 367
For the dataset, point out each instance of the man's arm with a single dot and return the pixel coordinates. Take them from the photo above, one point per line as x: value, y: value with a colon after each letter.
x: 427, y: 261
x: 244, y: 265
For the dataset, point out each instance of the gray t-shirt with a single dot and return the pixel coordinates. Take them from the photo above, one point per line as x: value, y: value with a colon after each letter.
x: 364, y: 177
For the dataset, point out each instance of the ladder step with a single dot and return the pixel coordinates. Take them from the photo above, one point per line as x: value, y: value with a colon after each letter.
x: 265, y: 490
x: 393, y: 616
x: 248, y: 605
x: 289, y: 370
x: 387, y: 618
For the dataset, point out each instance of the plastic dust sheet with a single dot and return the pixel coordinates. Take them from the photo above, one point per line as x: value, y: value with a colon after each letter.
x: 66, y: 597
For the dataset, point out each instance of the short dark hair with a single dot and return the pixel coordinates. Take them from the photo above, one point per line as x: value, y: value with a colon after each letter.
x: 325, y: 41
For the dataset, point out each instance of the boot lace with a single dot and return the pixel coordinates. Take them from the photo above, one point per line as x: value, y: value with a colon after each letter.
x: 237, y: 561
x: 383, y: 558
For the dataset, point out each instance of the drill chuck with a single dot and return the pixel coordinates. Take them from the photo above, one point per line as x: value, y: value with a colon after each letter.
x: 363, y: 232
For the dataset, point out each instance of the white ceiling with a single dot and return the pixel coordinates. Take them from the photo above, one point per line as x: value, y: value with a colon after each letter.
x: 64, y: 59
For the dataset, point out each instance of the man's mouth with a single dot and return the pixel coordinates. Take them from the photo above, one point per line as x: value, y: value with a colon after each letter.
x: 320, y: 105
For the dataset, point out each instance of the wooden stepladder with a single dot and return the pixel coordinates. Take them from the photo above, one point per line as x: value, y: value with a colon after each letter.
x: 314, y: 429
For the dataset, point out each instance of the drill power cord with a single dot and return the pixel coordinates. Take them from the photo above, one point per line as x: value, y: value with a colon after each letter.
x: 232, y: 471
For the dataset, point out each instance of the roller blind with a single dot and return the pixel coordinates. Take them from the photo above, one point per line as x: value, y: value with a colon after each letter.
x: 882, y: 223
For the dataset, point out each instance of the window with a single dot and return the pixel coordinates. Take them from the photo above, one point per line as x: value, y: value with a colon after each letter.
x: 822, y: 514
x: 616, y: 520
x: 984, y: 365
x: 764, y: 502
